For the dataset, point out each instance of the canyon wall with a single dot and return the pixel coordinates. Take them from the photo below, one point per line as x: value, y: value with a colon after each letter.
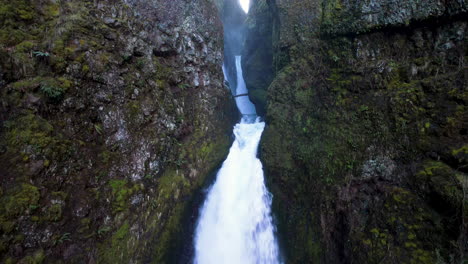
x: 365, y: 150
x: 112, y: 115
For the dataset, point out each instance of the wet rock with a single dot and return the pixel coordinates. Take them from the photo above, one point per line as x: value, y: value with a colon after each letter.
x: 35, y: 167
x: 32, y: 100
x: 71, y: 251
x: 82, y: 209
x: 379, y: 167
x: 17, y: 250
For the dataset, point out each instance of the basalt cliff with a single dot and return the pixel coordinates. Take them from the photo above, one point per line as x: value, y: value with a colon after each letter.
x: 365, y: 149
x: 113, y: 114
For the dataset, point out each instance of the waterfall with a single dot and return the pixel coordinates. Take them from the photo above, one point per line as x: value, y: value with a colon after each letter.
x: 245, y: 4
x: 235, y: 224
x: 245, y: 106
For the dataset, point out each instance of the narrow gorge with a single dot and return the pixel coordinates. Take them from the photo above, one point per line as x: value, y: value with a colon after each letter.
x: 234, y: 131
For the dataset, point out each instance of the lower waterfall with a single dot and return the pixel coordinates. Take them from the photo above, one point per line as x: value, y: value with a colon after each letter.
x: 235, y: 224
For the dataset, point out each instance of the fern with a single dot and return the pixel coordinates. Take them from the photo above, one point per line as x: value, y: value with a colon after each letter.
x: 41, y: 54
x: 52, y: 92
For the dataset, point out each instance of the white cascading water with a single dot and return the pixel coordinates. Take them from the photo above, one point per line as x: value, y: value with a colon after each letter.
x: 235, y: 224
x: 244, y: 105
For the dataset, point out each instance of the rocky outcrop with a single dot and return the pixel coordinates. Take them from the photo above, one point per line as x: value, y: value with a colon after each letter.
x: 365, y: 149
x: 351, y: 17
x: 112, y: 114
x: 234, y: 34
x: 257, y: 63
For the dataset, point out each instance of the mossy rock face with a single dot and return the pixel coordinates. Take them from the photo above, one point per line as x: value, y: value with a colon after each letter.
x: 257, y: 55
x: 339, y: 17
x: 37, y: 258
x: 364, y: 148
x: 106, y: 131
x: 16, y: 204
x: 409, y: 230
x: 444, y: 187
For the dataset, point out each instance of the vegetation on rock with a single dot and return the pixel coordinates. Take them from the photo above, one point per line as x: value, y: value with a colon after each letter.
x: 367, y: 123
x: 108, y: 126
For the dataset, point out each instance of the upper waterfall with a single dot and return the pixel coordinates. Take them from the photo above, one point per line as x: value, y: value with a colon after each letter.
x: 245, y: 106
x: 245, y: 4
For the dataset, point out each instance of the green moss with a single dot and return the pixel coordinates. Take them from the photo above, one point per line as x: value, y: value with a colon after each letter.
x: 440, y: 178
x: 17, y: 9
x: 121, y: 191
x: 421, y: 256
x: 115, y: 249
x: 25, y: 46
x: 174, y: 188
x: 85, y: 68
x: 312, y: 246
x: 20, y: 200
x: 30, y: 130
x: 120, y: 194
x: 18, y: 17
x: 107, y: 156
x: 140, y: 63
x: 460, y: 151
x: 169, y: 182
x: 25, y: 14
x: 401, y: 196
x: 134, y: 110
x: 27, y: 84
x: 59, y: 195
x: 64, y: 83
x: 52, y: 10
x: 163, y: 72
x: 10, y: 260
x: 54, y: 213
x: 402, y: 236
x: 259, y: 98
x: 18, y: 238
x: 164, y: 241
x: 6, y: 226
x: 37, y: 258
x: 121, y: 233
x: 3, y: 245
x: 335, y: 18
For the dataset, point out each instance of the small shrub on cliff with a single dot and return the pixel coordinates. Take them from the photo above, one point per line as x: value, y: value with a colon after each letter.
x: 54, y: 89
x: 52, y: 92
